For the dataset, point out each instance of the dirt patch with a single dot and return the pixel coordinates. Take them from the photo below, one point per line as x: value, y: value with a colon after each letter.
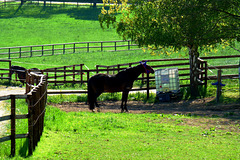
x: 194, y: 107
x: 4, y: 91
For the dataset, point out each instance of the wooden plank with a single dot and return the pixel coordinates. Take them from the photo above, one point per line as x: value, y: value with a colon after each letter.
x: 7, y: 138
x: 30, y: 124
x: 13, y: 125
x: 223, y: 67
x: 21, y: 136
x: 4, y: 97
x: 4, y: 118
x: 66, y: 91
x: 2, y: 60
x: 23, y: 116
x: 218, y: 57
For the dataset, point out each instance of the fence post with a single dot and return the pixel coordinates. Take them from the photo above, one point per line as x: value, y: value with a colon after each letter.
x: 63, y: 48
x: 9, y: 53
x: 34, y: 113
x: 38, y: 113
x: 42, y: 50
x: 206, y: 69
x: 73, y: 73
x: 147, y: 85
x: 97, y: 69
x: 30, y: 51
x: 30, y: 125
x: 64, y: 73
x: 20, y: 52
x: 87, y: 75
x: 74, y: 46
x: 52, y: 49
x: 219, y: 87
x: 81, y: 73
x: 239, y: 77
x: 128, y: 45
x: 88, y: 47
x: 10, y: 76
x: 55, y: 76
x: 27, y: 81
x: 115, y: 46
x: 107, y: 70
x: 101, y: 46
x: 118, y: 68
x: 13, y: 127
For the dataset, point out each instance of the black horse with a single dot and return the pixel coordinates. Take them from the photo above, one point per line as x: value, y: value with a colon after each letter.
x: 21, y: 72
x: 121, y: 82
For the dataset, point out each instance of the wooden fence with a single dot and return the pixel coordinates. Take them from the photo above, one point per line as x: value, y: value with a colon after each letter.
x: 5, y: 3
x: 63, y: 48
x: 205, y: 72
x: 5, y: 75
x: 80, y: 73
x: 36, y: 96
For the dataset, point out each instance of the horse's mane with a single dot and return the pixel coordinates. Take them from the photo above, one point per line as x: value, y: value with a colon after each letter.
x: 18, y: 68
x: 129, y: 70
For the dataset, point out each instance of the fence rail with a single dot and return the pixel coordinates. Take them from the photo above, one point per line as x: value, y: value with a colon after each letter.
x: 6, y: 75
x: 36, y: 97
x: 63, y: 48
x: 78, y: 74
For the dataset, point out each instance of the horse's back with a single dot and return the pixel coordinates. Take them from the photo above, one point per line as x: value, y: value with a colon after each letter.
x: 108, y: 83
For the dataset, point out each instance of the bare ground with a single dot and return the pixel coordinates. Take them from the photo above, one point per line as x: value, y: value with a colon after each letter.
x: 201, y: 107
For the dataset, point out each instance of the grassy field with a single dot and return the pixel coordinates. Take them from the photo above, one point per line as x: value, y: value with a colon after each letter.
x: 85, y: 135
x: 38, y: 25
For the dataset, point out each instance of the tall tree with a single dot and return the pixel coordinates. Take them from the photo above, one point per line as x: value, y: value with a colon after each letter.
x: 176, y: 23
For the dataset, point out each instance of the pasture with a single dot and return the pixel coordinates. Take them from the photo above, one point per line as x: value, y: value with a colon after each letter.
x: 38, y: 25
x: 110, y: 135
x: 86, y: 135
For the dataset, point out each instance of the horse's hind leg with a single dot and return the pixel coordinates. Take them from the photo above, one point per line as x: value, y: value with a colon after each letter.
x: 91, y: 98
x: 96, y: 96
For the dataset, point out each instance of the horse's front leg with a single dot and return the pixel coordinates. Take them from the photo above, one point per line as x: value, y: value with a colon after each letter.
x: 124, y: 101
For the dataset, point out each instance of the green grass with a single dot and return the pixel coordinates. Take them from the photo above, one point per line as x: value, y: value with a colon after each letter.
x: 85, y: 135
x: 38, y: 25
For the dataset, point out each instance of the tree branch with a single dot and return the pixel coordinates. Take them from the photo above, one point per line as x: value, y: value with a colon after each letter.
x: 230, y: 14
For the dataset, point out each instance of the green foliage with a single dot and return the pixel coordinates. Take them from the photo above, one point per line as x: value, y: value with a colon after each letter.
x: 165, y: 23
x: 180, y: 23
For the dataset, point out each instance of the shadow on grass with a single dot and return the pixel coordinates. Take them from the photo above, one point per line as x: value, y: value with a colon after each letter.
x: 23, y: 152
x: 36, y: 11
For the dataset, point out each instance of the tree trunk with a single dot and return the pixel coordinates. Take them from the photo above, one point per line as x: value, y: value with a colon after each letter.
x: 194, y: 74
x: 22, y: 2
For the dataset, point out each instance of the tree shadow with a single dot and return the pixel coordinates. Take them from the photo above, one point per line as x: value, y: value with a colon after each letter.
x: 36, y: 11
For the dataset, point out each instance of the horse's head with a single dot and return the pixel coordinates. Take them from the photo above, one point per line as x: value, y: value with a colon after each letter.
x: 148, y: 69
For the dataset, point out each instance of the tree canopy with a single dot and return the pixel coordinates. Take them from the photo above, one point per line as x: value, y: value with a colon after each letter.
x: 175, y: 23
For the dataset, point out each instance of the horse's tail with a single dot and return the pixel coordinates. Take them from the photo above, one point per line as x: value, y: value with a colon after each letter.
x: 91, y: 96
